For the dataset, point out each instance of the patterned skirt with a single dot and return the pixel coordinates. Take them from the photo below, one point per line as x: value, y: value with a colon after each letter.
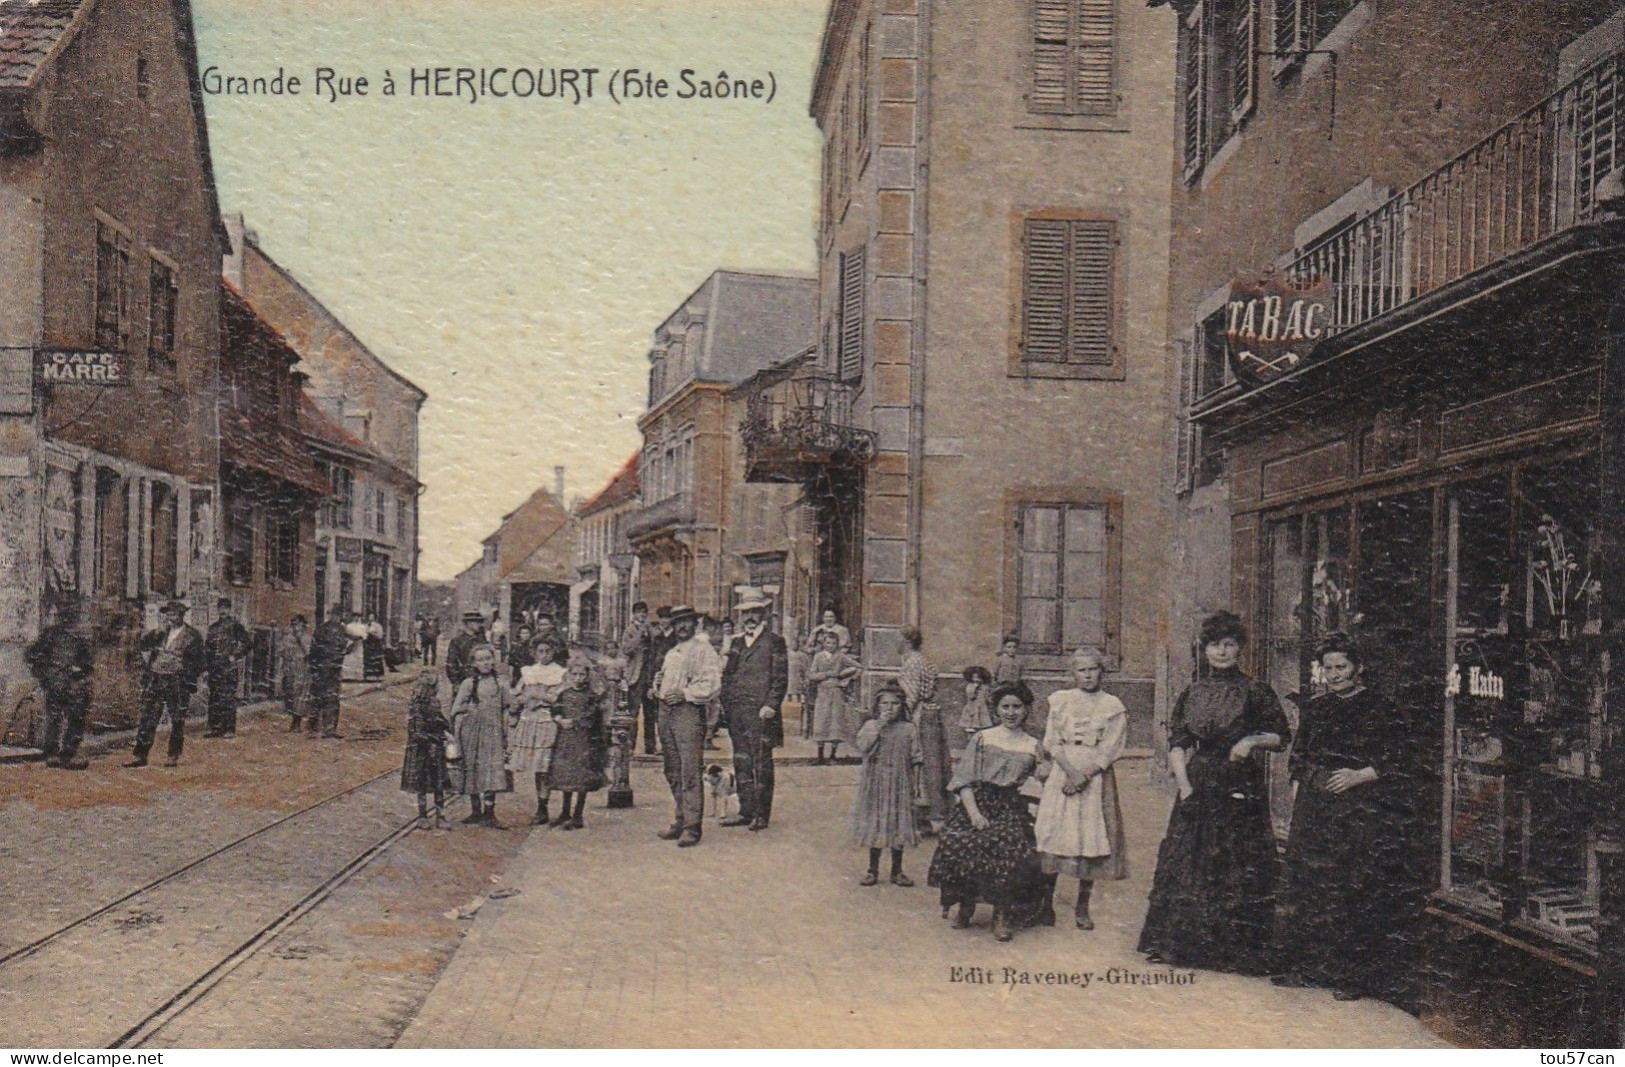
x: 998, y: 865
x: 530, y: 744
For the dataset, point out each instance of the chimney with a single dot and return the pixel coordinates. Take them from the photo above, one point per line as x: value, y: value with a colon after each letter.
x: 558, y: 484
x: 231, y: 266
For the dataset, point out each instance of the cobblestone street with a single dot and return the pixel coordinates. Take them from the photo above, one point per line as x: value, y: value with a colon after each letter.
x: 622, y: 940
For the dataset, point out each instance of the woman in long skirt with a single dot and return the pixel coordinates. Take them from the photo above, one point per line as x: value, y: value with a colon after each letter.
x: 1080, y: 826
x: 479, y: 718
x: 986, y: 853
x: 1351, y: 902
x: 918, y: 677
x: 829, y: 676
x: 883, y: 814
x: 1213, y: 896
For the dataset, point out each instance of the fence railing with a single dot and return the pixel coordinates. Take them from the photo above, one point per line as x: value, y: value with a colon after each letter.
x: 809, y: 412
x: 1532, y: 179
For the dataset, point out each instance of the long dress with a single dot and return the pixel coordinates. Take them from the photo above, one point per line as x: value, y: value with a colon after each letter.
x: 1082, y: 834
x: 829, y: 707
x: 355, y: 652
x: 372, y: 651
x: 531, y: 741
x: 997, y: 865
x: 578, y: 764
x: 1351, y: 902
x: 479, y: 717
x: 424, y: 768
x: 918, y: 678
x: 1213, y: 897
x: 883, y: 812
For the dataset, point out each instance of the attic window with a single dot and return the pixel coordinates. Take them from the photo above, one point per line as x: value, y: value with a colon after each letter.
x: 141, y: 80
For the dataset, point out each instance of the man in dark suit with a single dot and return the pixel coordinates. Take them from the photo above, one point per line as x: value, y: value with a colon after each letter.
x: 173, y: 660
x: 60, y: 661
x: 661, y: 641
x: 460, y: 652
x: 223, y: 649
x: 754, y: 680
x: 638, y: 652
x: 326, y: 659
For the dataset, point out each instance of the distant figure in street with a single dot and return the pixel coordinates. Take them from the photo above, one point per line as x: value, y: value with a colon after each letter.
x: 755, y: 678
x: 883, y: 814
x: 60, y: 661
x: 355, y: 649
x: 431, y: 640
x: 689, y: 675
x: 577, y: 767
x: 499, y: 635
x: 479, y: 719
x: 1007, y: 668
x: 531, y: 740
x: 423, y: 771
x: 918, y: 677
x: 372, y: 656
x: 172, y: 662
x: 327, y: 648
x: 420, y: 636
x: 978, y: 712
x: 637, y: 649
x: 224, y: 649
x: 830, y: 674
x: 460, y: 652
x: 293, y: 673
x: 843, y: 636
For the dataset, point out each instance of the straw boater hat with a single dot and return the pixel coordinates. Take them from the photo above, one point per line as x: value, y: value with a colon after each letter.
x: 683, y: 613
x: 751, y: 600
x: 473, y: 616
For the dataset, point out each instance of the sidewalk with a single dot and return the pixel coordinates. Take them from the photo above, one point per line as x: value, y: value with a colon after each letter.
x: 622, y: 940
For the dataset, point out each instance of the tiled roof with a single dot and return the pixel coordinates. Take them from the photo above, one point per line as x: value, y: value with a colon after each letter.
x: 621, y: 488
x: 255, y: 441
x: 315, y: 423
x: 30, y: 31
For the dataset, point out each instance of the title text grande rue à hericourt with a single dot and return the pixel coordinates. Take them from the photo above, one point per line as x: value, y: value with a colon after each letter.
x: 473, y: 85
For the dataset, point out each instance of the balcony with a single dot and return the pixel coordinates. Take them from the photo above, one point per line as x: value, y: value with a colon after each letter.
x: 666, y: 516
x: 800, y: 425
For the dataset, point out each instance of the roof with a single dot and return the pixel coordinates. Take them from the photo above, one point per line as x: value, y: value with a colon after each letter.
x: 315, y: 424
x: 621, y: 488
x: 254, y: 438
x: 527, y: 528
x: 31, y: 34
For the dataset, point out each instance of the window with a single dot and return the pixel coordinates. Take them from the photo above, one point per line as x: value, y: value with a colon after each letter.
x: 1218, y: 59
x: 1074, y: 57
x: 1300, y: 25
x: 343, y: 513
x: 1067, y: 306
x: 239, y: 563
x: 865, y: 47
x: 281, y: 547
x: 399, y: 530
x: 1065, y: 563
x: 376, y: 510
x: 112, y: 287
x: 142, y: 81
x: 164, y: 545
x: 162, y: 293
x: 111, y: 526
x: 849, y: 358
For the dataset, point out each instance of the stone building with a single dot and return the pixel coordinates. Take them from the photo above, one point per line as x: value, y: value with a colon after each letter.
x: 110, y: 250
x: 606, y: 568
x: 993, y: 251
x: 691, y: 470
x: 368, y: 540
x: 1397, y: 305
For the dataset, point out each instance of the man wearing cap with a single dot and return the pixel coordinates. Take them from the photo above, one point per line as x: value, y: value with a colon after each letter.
x: 460, y: 652
x: 661, y: 641
x: 60, y: 660
x: 688, y: 679
x: 637, y: 652
x: 223, y: 652
x: 173, y: 661
x: 754, y: 680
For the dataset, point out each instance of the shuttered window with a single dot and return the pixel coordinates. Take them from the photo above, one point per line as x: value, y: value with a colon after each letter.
x: 1242, y: 43
x: 1193, y: 90
x: 1074, y: 57
x: 1067, y: 302
x: 1302, y: 24
x: 850, y: 359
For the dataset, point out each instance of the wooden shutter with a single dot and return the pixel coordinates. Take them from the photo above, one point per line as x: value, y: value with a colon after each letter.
x: 851, y: 337
x: 1243, y: 55
x: 1074, y: 57
x: 1289, y: 20
x: 1067, y: 291
x: 1182, y: 416
x: 1193, y: 90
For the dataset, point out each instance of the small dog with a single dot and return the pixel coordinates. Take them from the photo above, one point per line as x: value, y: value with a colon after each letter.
x: 719, y: 782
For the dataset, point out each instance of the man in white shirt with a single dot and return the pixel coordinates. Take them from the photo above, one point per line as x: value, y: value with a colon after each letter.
x: 689, y: 677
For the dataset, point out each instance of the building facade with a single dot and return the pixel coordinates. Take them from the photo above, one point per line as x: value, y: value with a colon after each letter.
x: 993, y: 250
x: 606, y: 568
x: 690, y: 471
x: 1402, y: 381
x: 110, y: 243
x: 527, y: 564
x: 368, y: 540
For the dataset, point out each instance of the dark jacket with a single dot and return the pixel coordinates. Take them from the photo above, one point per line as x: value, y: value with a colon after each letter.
x: 190, y: 651
x: 754, y: 678
x: 460, y: 657
x: 60, y: 659
x: 226, y: 643
x: 326, y: 657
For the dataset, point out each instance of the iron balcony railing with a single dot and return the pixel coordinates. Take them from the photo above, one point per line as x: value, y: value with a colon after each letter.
x: 674, y: 511
x: 1532, y: 179
x: 808, y: 414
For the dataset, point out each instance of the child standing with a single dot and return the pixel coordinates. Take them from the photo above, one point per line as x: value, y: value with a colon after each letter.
x: 829, y: 675
x: 530, y: 748
x: 977, y: 714
x: 577, y: 766
x: 423, y: 771
x: 1080, y: 826
x: 1007, y: 670
x: 883, y: 816
x: 479, y: 718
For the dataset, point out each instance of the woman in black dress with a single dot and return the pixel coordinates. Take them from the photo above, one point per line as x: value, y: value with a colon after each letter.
x: 986, y: 852
x: 1346, y: 916
x: 1213, y: 897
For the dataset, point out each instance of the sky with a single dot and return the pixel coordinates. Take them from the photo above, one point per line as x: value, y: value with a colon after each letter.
x: 514, y: 256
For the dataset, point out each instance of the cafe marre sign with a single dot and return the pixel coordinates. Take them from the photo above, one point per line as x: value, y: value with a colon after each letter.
x: 79, y: 366
x: 1272, y: 325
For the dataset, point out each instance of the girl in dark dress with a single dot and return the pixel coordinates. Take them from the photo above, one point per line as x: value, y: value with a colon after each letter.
x: 577, y: 767
x: 423, y: 771
x: 986, y: 852
x: 1346, y: 920
x: 1213, y: 896
x: 520, y: 655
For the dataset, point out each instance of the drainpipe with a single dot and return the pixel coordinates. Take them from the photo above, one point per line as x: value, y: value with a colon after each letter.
x: 916, y: 365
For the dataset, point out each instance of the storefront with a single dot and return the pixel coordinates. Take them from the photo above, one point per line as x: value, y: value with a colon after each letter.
x: 1445, y: 482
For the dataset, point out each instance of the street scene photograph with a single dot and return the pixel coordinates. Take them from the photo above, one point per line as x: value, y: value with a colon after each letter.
x: 789, y: 524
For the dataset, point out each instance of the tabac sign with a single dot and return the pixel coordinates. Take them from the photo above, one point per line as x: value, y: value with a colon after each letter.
x: 79, y: 366
x: 1272, y: 325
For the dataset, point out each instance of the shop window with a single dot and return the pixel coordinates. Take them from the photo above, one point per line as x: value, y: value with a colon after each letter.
x: 1068, y: 307
x: 162, y: 294
x: 1074, y: 70
x: 239, y: 558
x: 281, y: 547
x: 1064, y: 563
x: 164, y: 545
x: 112, y: 287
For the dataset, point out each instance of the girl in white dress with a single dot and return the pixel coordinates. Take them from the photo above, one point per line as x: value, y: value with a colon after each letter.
x: 1080, y: 826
